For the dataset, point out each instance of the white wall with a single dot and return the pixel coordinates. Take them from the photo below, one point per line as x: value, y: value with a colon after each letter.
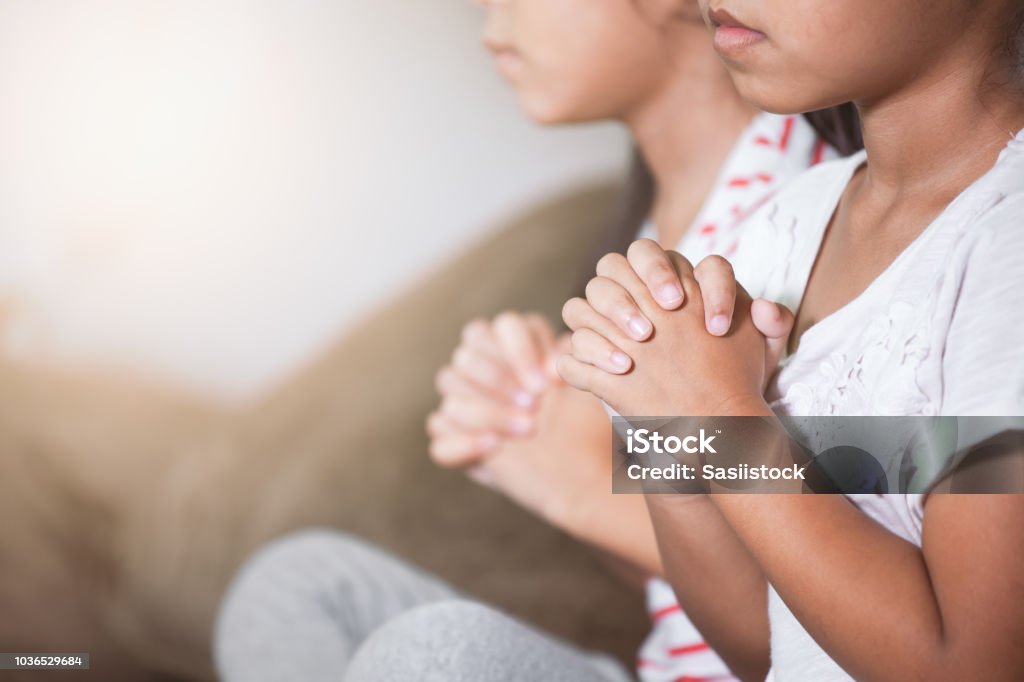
x: 209, y: 190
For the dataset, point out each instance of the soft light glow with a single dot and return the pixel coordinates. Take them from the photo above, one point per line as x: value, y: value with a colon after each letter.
x: 206, y: 189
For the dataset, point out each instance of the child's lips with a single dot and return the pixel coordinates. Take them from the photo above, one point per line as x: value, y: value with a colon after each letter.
x: 505, y: 56
x: 731, y: 39
x: 731, y: 34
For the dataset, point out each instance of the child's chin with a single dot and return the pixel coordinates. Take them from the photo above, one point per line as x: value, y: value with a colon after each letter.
x: 767, y: 95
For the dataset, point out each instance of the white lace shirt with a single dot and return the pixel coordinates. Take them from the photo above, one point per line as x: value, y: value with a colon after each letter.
x: 939, y: 332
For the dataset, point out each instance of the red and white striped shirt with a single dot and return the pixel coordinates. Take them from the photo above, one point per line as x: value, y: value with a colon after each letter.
x: 771, y: 151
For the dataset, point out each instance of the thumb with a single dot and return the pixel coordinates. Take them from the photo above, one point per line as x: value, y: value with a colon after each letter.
x: 775, y: 322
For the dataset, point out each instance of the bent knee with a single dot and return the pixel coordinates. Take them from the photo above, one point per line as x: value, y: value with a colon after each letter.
x: 445, y: 640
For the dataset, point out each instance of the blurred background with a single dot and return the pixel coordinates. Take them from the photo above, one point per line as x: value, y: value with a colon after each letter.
x: 207, y: 191
x: 237, y: 239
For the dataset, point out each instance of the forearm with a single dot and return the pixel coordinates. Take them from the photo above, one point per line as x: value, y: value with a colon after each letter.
x: 716, y: 580
x: 887, y: 602
x: 872, y: 599
x: 618, y: 525
x: 860, y: 591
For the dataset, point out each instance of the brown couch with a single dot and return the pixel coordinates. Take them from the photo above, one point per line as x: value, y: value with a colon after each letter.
x: 127, y: 508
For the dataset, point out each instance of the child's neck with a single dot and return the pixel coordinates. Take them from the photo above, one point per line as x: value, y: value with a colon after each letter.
x: 940, y: 133
x: 685, y: 133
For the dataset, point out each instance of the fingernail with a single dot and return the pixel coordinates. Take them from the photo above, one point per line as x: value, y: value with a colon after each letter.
x: 520, y: 425
x: 620, y: 360
x: 523, y: 398
x: 669, y: 294
x: 640, y: 327
x: 536, y: 381
x: 718, y: 325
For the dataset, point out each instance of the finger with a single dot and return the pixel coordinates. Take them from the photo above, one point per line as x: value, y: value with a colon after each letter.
x: 487, y: 374
x: 656, y: 270
x: 582, y: 376
x: 477, y: 333
x: 482, y: 475
x: 593, y: 349
x: 520, y: 349
x: 450, y: 382
x: 563, y: 346
x: 462, y: 449
x: 775, y: 322
x: 542, y: 331
x: 717, y: 283
x: 475, y: 414
x: 578, y: 314
x: 439, y: 425
x: 480, y: 338
x: 616, y: 267
x: 575, y: 373
x: 547, y: 341
x: 610, y: 299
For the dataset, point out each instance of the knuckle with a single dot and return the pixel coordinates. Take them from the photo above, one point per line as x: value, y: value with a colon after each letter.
x: 641, y: 246
x: 441, y: 379
x: 610, y: 263
x: 720, y: 262
x: 434, y: 424
x: 661, y: 270
x: 657, y: 275
x: 507, y: 319
x: 474, y: 329
x: 572, y: 310
x: 623, y: 304
x: 607, y: 295
x: 448, y: 408
x: 462, y: 357
x: 714, y: 264
x: 437, y: 452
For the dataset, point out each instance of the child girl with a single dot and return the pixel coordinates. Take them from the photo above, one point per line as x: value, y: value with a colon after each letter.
x: 649, y: 64
x: 504, y: 413
x: 904, y: 267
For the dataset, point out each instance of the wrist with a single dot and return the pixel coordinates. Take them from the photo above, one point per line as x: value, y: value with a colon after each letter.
x: 571, y: 515
x: 743, y: 405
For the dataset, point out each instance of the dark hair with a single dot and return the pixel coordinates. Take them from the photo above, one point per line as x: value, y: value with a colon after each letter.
x: 1015, y: 41
x: 839, y: 126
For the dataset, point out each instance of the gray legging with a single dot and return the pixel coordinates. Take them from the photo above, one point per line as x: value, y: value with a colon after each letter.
x: 319, y: 605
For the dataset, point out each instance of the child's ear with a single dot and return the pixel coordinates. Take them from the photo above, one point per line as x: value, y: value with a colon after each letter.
x: 664, y: 12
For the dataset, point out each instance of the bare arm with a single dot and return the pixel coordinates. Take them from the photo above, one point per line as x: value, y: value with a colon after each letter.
x: 883, y: 608
x: 715, y: 578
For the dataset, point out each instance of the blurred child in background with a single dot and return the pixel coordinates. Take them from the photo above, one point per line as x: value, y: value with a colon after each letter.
x: 705, y: 161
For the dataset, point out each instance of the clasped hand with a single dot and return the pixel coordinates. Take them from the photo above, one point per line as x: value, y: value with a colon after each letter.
x: 647, y: 338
